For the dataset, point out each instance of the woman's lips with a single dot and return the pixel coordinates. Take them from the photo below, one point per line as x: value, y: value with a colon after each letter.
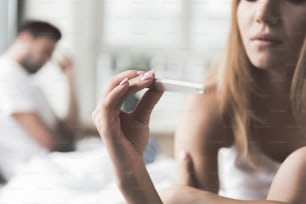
x: 266, y: 43
x: 264, y: 40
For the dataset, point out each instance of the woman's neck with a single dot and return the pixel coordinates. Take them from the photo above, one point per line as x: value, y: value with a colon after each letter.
x: 274, y: 83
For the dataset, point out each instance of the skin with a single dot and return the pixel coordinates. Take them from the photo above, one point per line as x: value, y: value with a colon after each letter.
x: 32, y: 53
x: 39, y: 52
x: 273, y: 69
x: 274, y: 65
x: 126, y: 136
x: 257, y: 16
x: 208, y: 133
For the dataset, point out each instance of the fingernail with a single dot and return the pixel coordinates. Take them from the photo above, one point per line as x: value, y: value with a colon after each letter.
x: 148, y: 75
x: 182, y: 155
x: 140, y: 72
x: 123, y: 82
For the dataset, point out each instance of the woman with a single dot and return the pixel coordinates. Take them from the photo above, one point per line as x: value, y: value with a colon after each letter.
x: 253, y: 113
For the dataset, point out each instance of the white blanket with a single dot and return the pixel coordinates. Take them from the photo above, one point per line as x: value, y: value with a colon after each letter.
x: 81, y: 177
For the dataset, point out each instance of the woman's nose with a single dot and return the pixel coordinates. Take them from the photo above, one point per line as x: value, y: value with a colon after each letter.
x: 267, y: 12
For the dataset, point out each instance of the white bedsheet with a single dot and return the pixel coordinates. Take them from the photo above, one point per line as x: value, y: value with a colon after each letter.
x: 81, y: 177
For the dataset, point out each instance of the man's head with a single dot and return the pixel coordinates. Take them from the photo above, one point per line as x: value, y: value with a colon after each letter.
x: 38, y: 39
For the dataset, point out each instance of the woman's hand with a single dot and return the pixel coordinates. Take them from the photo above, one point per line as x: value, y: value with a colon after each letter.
x: 126, y: 134
x: 185, y: 190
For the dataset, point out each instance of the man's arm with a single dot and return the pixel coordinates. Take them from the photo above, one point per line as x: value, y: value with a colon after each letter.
x: 58, y: 139
x: 72, y: 118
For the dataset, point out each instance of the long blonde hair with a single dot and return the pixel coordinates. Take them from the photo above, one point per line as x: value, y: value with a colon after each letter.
x: 232, y: 72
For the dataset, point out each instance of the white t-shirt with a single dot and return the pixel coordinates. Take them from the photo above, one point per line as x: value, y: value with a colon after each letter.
x: 18, y: 94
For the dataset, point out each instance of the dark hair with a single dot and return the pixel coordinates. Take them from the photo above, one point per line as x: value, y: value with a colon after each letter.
x: 40, y: 29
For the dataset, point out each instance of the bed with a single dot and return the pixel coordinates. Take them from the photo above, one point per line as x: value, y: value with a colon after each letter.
x: 81, y: 177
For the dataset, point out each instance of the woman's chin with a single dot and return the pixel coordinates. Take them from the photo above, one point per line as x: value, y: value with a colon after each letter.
x: 267, y: 64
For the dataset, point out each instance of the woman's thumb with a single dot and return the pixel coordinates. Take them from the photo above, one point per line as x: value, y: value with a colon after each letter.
x: 186, y: 170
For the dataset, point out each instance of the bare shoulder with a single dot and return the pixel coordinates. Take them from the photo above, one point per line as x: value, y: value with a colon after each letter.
x: 298, y: 158
x: 202, y: 124
x: 201, y: 104
x: 290, y: 178
x: 296, y: 161
x: 201, y: 132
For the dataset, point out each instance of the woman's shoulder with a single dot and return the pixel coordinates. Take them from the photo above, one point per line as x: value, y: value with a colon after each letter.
x: 208, y: 123
x: 203, y: 101
x: 206, y: 105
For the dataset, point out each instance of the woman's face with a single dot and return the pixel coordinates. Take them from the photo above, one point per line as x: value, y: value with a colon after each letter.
x: 272, y: 31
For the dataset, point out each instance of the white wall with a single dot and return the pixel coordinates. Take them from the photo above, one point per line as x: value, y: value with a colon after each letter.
x: 79, y: 22
x: 180, y: 36
x: 184, y: 34
x: 8, y: 22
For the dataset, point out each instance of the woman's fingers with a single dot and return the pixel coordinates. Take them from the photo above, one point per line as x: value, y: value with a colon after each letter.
x: 146, y: 104
x: 118, y: 79
x: 114, y: 96
x: 186, y: 170
x: 137, y: 84
x: 107, y: 106
x: 118, y: 91
x: 115, y: 81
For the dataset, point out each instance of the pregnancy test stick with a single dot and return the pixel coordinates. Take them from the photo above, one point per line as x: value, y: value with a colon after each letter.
x: 180, y: 86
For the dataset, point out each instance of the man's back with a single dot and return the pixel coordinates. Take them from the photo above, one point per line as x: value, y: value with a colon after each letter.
x: 19, y: 95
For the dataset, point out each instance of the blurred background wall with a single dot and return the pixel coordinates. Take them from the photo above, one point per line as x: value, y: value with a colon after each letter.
x: 177, y: 38
x: 79, y: 20
x: 8, y: 22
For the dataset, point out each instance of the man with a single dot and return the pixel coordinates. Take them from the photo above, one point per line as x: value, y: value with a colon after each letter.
x: 28, y: 126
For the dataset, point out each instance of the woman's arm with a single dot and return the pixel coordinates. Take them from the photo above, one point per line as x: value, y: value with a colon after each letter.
x: 126, y: 134
x: 215, y: 199
x: 126, y: 137
x: 201, y: 132
x: 289, y: 184
x: 186, y: 195
x: 186, y: 192
x: 137, y: 187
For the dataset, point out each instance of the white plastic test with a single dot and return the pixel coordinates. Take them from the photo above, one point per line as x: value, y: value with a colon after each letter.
x: 180, y: 86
